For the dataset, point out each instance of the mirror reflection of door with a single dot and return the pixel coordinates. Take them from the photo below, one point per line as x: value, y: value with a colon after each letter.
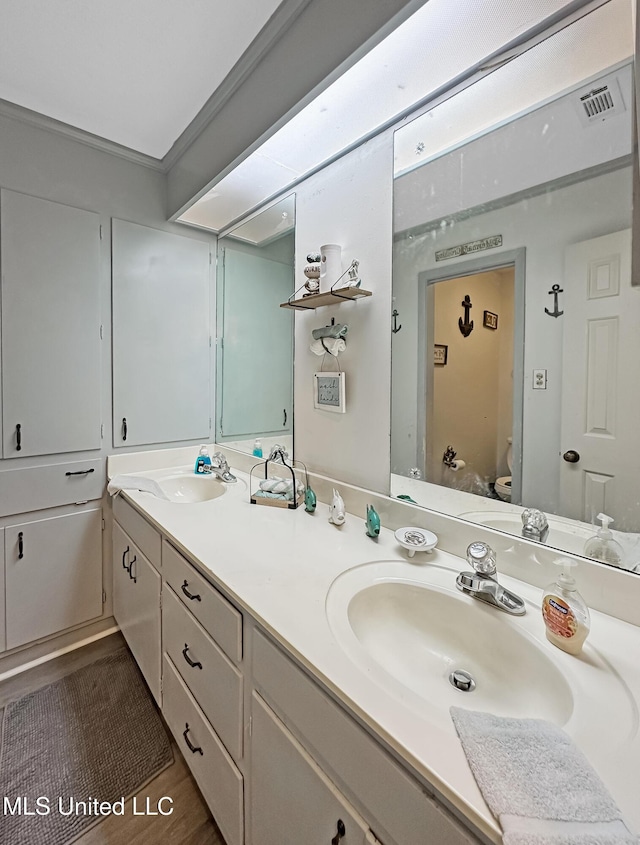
x: 256, y: 389
x: 470, y: 391
x: 469, y: 379
x: 601, y: 408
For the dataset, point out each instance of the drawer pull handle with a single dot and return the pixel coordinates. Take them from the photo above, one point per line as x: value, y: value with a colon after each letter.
x: 340, y: 833
x: 192, y: 596
x: 134, y: 578
x: 124, y: 554
x: 18, y: 437
x: 20, y: 545
x: 194, y: 749
x: 81, y: 472
x: 195, y: 664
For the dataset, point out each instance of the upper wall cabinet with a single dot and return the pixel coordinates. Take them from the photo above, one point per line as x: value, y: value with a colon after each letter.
x: 50, y: 327
x: 161, y: 331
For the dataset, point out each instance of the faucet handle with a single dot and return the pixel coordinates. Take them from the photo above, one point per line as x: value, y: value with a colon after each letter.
x: 482, y: 557
x: 219, y: 461
x: 535, y: 518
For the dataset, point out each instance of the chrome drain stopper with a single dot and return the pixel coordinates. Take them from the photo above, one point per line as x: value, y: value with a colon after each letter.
x: 462, y: 680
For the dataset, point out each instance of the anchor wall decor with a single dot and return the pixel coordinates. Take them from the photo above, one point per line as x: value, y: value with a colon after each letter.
x: 396, y: 328
x: 555, y: 290
x: 466, y: 325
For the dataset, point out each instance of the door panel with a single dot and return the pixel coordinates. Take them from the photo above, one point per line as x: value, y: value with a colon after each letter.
x: 50, y: 326
x: 600, y: 409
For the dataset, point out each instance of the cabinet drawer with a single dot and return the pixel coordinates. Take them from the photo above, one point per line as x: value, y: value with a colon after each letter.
x: 404, y: 812
x: 214, y: 681
x: 215, y: 772
x: 292, y: 800
x: 36, y: 488
x: 144, y: 535
x: 216, y: 615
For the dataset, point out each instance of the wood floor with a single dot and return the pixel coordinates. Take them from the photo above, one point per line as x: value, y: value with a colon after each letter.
x: 189, y: 824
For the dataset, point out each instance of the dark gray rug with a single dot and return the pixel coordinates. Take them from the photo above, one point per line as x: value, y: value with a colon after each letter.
x: 94, y: 734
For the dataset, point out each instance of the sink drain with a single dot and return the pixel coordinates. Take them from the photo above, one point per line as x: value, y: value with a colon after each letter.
x: 462, y: 680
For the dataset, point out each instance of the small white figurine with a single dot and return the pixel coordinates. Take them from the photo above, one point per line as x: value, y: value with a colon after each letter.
x: 336, y: 510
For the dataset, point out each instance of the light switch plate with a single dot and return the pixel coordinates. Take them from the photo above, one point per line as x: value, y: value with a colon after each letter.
x: 539, y: 379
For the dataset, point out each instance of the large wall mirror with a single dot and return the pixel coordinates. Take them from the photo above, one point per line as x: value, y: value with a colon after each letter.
x: 254, y: 392
x: 516, y: 344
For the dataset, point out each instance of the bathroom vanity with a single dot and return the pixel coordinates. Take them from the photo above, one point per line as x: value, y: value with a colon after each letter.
x: 294, y: 723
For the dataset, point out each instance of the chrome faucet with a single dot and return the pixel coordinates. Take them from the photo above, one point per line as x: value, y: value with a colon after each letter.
x: 220, y: 468
x: 534, y: 525
x: 482, y: 583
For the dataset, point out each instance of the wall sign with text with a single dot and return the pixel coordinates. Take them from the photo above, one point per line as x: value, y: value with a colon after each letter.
x: 329, y: 392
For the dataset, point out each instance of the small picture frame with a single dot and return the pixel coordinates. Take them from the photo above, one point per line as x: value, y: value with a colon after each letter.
x: 329, y: 392
x: 440, y: 354
x: 490, y: 320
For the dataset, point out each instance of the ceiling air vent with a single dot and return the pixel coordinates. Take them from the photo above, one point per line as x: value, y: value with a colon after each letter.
x: 600, y: 101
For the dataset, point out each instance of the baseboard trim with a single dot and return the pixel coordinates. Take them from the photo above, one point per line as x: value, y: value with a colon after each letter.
x: 56, y: 652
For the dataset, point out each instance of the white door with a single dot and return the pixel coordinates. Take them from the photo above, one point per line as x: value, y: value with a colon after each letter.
x: 50, y: 327
x: 161, y: 330
x: 600, y: 403
x: 53, y: 574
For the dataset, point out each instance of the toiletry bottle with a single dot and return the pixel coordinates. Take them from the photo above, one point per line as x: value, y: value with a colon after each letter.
x: 602, y: 546
x: 564, y: 611
x: 202, y: 460
x: 257, y: 448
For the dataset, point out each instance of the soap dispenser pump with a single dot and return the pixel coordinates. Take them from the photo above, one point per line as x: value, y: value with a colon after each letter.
x: 602, y: 546
x: 565, y: 614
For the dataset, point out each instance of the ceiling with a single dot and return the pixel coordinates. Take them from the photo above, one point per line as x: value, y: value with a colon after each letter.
x: 135, y: 72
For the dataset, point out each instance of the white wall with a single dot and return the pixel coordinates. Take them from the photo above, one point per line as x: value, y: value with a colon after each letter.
x: 349, y: 203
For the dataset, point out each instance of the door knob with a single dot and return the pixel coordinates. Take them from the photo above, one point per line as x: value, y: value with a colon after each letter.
x: 571, y: 457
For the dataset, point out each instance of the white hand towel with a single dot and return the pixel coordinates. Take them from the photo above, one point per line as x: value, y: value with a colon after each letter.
x: 135, y: 482
x: 537, y: 782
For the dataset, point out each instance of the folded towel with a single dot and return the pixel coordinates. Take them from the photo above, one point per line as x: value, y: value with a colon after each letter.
x: 538, y: 783
x: 135, y: 482
x: 333, y: 346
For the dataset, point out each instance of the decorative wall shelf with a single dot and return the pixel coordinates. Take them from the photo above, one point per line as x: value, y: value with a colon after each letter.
x: 317, y: 300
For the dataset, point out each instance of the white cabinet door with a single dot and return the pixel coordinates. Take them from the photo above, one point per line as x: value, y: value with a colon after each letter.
x: 292, y: 800
x: 136, y: 606
x: 50, y: 327
x: 53, y: 574
x: 161, y: 330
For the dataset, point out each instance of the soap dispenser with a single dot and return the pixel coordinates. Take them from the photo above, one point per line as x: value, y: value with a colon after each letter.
x: 564, y: 611
x: 202, y: 460
x: 602, y: 546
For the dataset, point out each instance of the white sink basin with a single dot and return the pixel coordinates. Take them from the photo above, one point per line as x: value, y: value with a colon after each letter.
x: 182, y: 486
x: 563, y: 534
x: 188, y: 488
x: 408, y: 628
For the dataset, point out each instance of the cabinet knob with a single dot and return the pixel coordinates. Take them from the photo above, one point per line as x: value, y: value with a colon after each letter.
x: 20, y: 545
x: 571, y: 457
x: 130, y: 567
x: 124, y: 554
x: 340, y: 832
x: 18, y: 437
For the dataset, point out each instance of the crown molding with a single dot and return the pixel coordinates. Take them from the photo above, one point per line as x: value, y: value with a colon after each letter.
x: 50, y: 124
x: 277, y: 24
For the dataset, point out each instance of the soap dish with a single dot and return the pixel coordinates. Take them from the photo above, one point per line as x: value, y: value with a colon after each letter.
x: 416, y: 540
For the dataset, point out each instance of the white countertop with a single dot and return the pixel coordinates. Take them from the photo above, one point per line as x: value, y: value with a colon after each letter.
x: 279, y: 564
